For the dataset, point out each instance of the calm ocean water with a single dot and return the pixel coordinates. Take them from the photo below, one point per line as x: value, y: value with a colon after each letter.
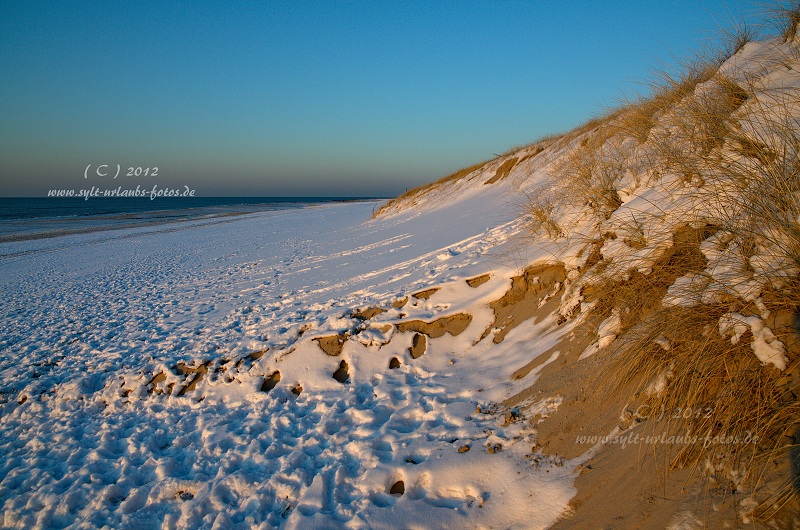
x: 33, y: 218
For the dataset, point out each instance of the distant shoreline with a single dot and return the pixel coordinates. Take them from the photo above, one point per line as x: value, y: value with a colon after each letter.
x: 28, y: 218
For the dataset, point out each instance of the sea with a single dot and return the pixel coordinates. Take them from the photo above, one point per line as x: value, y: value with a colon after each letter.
x: 24, y: 218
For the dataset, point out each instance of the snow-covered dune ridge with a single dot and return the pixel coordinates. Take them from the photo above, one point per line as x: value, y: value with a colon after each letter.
x: 468, y: 357
x: 677, y: 219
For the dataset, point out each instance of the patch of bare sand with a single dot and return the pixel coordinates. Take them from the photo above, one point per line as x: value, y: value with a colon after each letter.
x: 332, y: 344
x: 477, y: 281
x: 638, y: 484
x: 632, y: 482
x: 256, y: 355
x: 424, y: 295
x: 418, y: 346
x: 342, y: 374
x: 196, y: 372
x: 192, y: 374
x: 622, y: 488
x: 251, y: 357
x: 383, y: 328
x: 368, y: 313
x: 503, y: 170
x: 400, y: 302
x: 535, y: 294
x: 271, y: 381
x: 152, y: 385
x: 453, y: 324
x: 627, y: 486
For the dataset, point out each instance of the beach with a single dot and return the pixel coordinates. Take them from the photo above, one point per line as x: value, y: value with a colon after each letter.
x: 106, y: 420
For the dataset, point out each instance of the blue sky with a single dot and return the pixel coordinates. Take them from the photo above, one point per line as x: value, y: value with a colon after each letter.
x: 316, y: 98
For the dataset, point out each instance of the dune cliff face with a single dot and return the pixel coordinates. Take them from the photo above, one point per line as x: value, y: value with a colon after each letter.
x: 676, y: 222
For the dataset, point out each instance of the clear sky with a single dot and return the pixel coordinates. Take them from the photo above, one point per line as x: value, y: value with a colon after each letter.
x: 307, y: 98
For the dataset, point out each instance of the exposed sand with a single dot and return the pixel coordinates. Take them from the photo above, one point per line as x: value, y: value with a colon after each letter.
x: 503, y: 171
x: 477, y: 281
x: 271, y: 381
x: 527, y: 298
x: 424, y: 295
x: 630, y: 485
x: 332, y: 344
x: 400, y: 302
x: 453, y: 324
x: 418, y: 345
x: 197, y: 374
x: 368, y: 313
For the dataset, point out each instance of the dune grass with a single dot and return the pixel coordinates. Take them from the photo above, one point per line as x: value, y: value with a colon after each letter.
x: 741, y: 157
x: 419, y: 191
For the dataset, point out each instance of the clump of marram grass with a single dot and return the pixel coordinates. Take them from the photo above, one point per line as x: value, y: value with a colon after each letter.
x: 586, y: 177
x: 688, y: 139
x: 592, y: 170
x: 738, y: 147
x: 753, y: 409
x: 673, y: 108
x: 538, y: 207
x: 705, y: 386
x: 784, y: 17
x: 733, y: 40
x: 759, y: 181
x: 595, y: 129
x: 635, y: 295
x: 694, y: 382
x: 589, y: 174
x: 666, y: 89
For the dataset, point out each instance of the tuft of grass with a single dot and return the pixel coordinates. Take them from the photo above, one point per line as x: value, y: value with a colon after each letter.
x: 751, y: 172
x: 596, y: 130
x: 590, y: 175
x: 520, y: 155
x: 539, y: 206
x: 735, y: 39
x: 787, y: 18
x: 758, y: 185
x: 636, y: 295
x: 666, y: 88
x: 739, y: 411
x: 693, y: 129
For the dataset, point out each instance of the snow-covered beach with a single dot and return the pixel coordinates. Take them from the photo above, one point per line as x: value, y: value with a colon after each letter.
x: 91, y: 318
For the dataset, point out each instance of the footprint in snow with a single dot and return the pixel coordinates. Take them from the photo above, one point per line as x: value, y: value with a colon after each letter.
x: 382, y: 500
x: 421, y: 487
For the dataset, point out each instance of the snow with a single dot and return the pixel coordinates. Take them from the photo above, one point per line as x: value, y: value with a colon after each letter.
x: 766, y: 346
x: 607, y: 332
x: 609, y: 329
x: 93, y: 317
